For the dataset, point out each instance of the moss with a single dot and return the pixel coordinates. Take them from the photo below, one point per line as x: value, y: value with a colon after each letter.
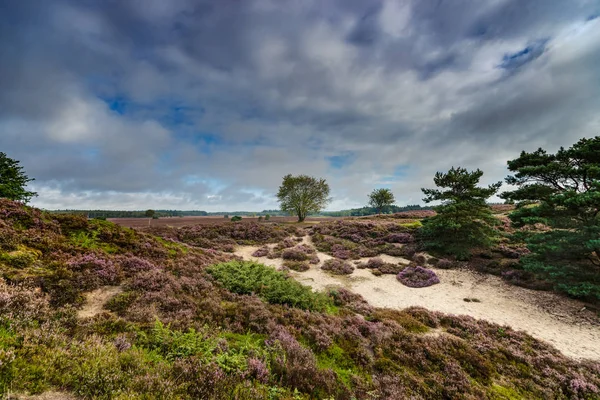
x: 336, y: 359
x: 499, y: 392
x: 21, y: 258
x: 412, y: 225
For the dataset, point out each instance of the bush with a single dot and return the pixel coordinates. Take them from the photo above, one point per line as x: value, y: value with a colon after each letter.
x: 418, y: 277
x: 262, y: 252
x: 244, y: 277
x: 299, y: 266
x: 236, y: 218
x: 294, y: 254
x: 337, y: 266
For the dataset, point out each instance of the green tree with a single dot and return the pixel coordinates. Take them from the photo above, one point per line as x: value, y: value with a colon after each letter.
x: 13, y: 180
x: 303, y: 194
x: 381, y: 198
x: 558, y: 199
x: 464, y: 220
x: 150, y: 213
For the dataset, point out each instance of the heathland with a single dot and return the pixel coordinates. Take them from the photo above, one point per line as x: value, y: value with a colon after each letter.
x: 92, y: 309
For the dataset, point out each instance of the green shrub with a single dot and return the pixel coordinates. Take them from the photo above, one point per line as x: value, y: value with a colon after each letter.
x: 245, y: 277
x: 236, y: 218
x: 19, y: 259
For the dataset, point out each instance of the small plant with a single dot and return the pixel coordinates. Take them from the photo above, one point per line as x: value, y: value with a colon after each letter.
x: 226, y: 216
x: 262, y: 252
x: 267, y: 217
x: 337, y: 267
x: 294, y: 254
x: 418, y: 277
x: 299, y: 266
x: 236, y: 218
x: 471, y: 300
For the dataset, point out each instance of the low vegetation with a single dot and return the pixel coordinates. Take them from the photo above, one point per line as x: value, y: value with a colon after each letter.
x: 248, y: 331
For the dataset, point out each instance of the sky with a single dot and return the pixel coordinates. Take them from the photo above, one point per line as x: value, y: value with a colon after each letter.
x: 193, y: 104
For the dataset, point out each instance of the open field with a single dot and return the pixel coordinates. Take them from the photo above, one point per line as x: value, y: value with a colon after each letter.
x: 209, y: 220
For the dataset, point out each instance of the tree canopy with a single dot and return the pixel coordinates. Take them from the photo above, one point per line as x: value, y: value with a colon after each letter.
x: 464, y: 220
x: 13, y: 180
x: 558, y: 199
x: 381, y: 198
x: 302, y: 194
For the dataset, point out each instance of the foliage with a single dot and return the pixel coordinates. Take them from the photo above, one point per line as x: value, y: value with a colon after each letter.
x: 353, y: 239
x: 337, y: 267
x: 381, y: 198
x: 273, y: 286
x: 560, y: 191
x: 236, y: 218
x: 464, y: 221
x: 302, y: 195
x: 175, y: 332
x: 150, y: 213
x: 13, y: 180
x: 417, y: 277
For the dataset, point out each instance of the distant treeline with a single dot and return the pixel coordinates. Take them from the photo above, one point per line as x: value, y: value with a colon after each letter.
x: 358, y: 212
x: 131, y: 214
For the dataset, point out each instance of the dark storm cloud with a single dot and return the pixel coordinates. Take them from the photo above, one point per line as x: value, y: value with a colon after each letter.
x: 206, y: 104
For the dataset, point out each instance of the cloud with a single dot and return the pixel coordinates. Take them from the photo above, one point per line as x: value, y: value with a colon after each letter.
x: 202, y: 104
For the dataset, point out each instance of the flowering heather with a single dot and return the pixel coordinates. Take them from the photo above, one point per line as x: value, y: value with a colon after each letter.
x: 417, y: 277
x: 352, y: 239
x: 262, y: 252
x: 252, y: 332
x: 337, y: 267
x: 416, y: 214
x: 402, y: 237
x: 294, y: 254
x: 105, y: 270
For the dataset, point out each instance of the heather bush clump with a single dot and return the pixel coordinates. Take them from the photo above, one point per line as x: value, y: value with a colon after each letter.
x: 355, y: 239
x: 338, y: 267
x: 299, y: 266
x: 418, y: 277
x: 382, y: 267
x: 294, y: 254
x: 262, y: 252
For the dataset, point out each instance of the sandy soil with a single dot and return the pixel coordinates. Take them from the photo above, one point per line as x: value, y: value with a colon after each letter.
x: 95, y: 300
x: 545, y: 316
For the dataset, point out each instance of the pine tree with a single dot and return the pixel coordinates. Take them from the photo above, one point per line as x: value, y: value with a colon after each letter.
x: 464, y: 220
x: 558, y: 199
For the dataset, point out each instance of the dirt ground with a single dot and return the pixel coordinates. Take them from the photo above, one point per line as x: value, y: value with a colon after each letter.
x: 95, y: 300
x: 562, y: 322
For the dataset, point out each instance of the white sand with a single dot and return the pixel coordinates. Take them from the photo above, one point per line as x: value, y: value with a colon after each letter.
x: 95, y: 300
x: 546, y: 316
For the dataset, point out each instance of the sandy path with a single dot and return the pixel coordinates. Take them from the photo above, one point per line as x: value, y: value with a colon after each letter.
x: 95, y: 300
x: 545, y: 316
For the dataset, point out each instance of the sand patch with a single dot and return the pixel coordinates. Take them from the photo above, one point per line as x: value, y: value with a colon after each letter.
x: 95, y: 300
x: 546, y: 316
